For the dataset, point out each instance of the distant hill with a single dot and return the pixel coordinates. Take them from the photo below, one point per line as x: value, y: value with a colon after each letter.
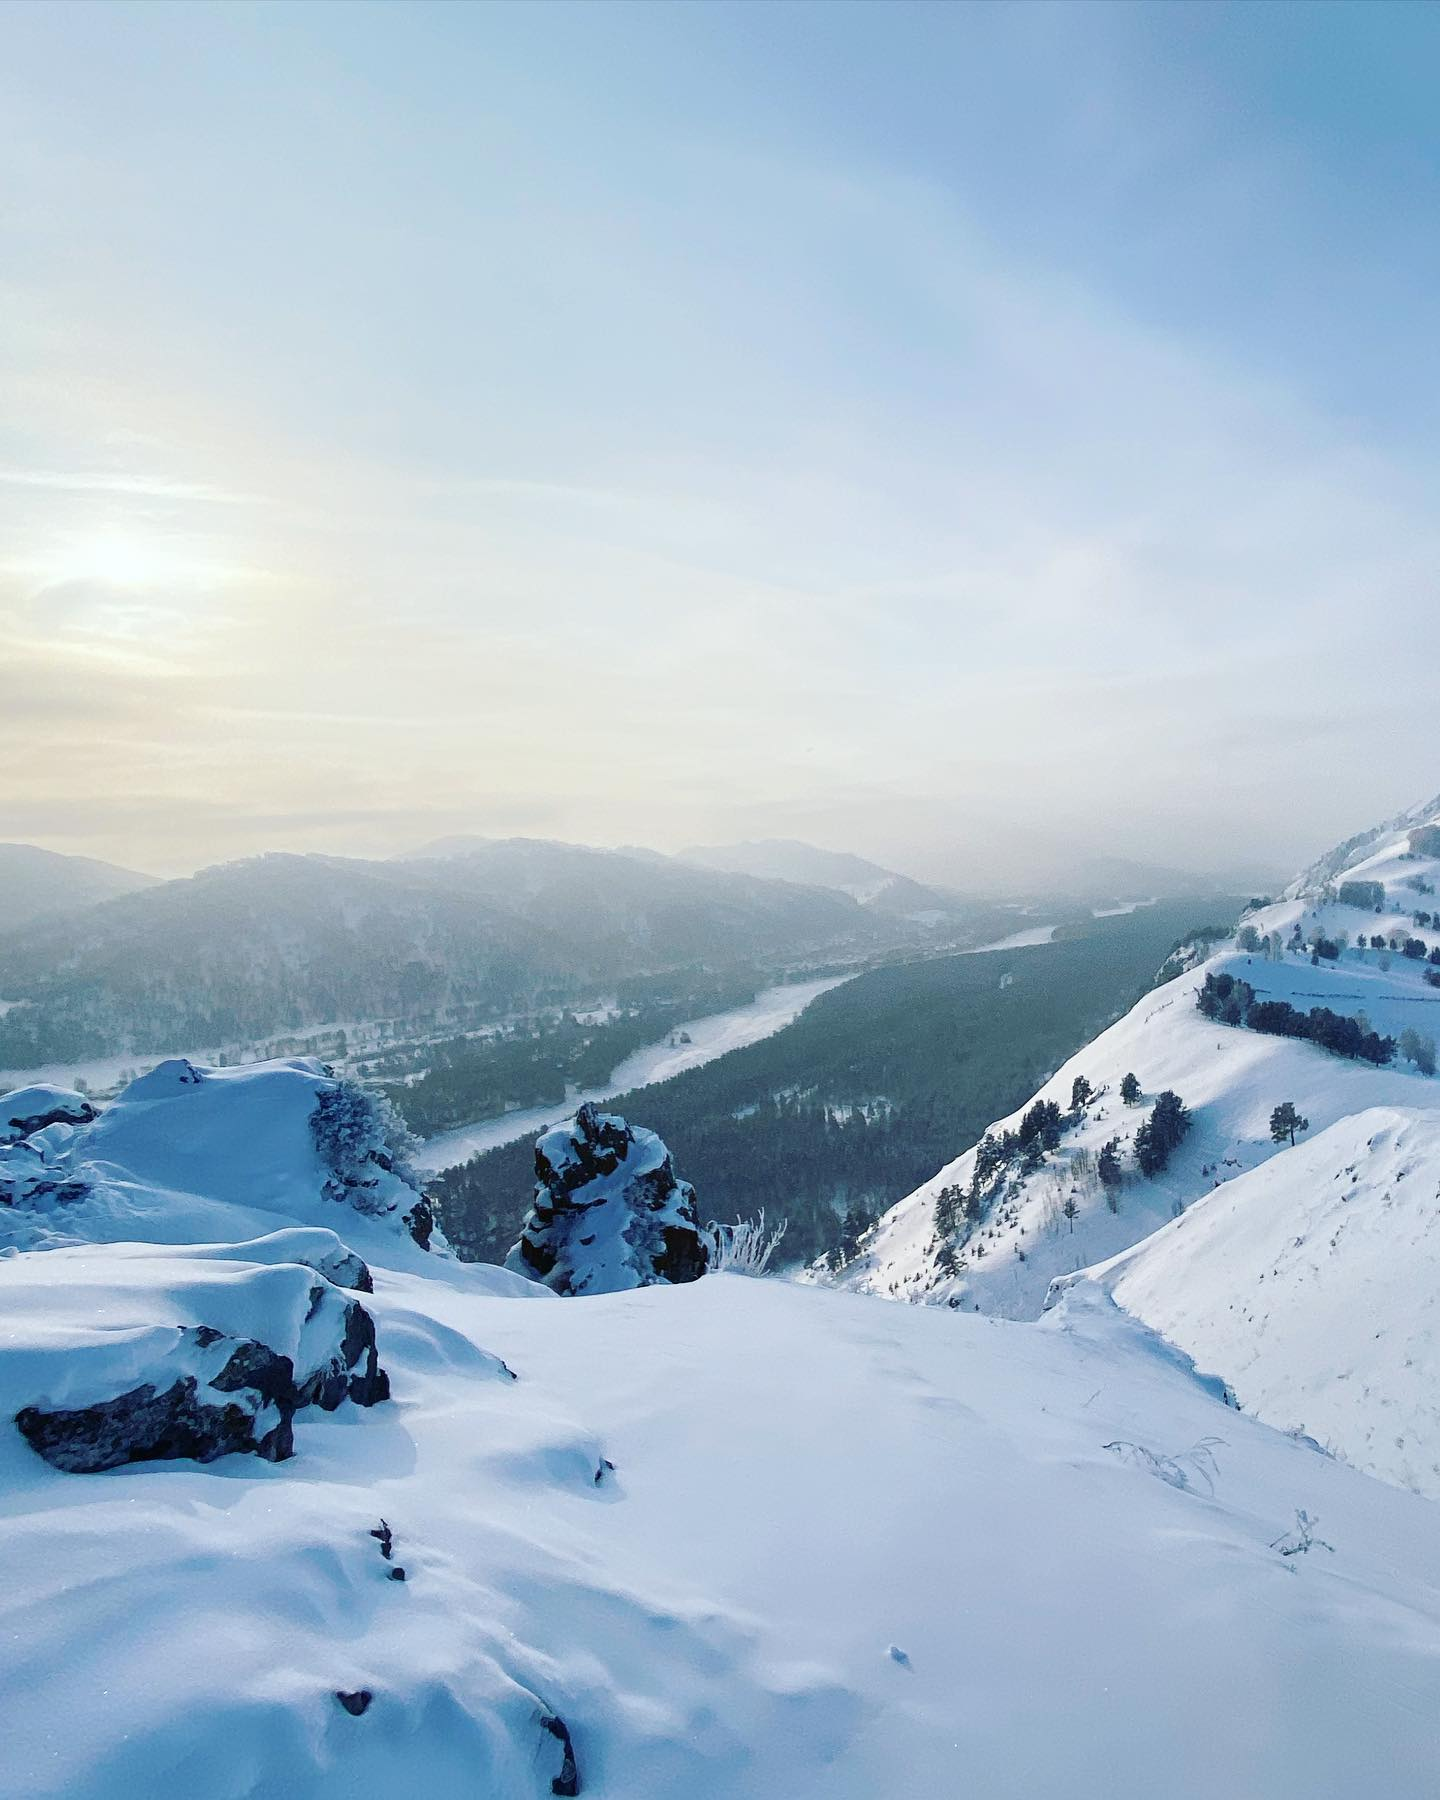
x: 868, y: 883
x: 278, y: 943
x: 36, y: 884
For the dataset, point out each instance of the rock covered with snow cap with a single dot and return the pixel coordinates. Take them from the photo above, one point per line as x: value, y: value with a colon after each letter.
x: 190, y: 1153
x: 130, y: 1353
x: 609, y: 1212
x: 30, y: 1109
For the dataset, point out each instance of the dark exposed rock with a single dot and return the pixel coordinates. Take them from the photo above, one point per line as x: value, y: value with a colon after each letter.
x: 608, y: 1211
x: 247, y: 1404
x: 343, y: 1269
x: 420, y: 1221
x: 397, y: 1573
x: 31, y: 1109
x: 354, y: 1371
x: 567, y: 1782
x: 385, y: 1537
x: 354, y: 1703
x: 146, y: 1425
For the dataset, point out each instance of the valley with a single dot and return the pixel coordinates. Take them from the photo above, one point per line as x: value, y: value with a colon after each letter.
x: 867, y: 1092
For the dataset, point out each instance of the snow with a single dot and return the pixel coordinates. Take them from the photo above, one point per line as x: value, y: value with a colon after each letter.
x: 1230, y: 1078
x: 720, y: 1615
x: 712, y: 1036
x: 1313, y: 1284
x: 609, y: 1212
x: 745, y: 1539
x: 21, y: 1108
x: 1017, y: 940
x: 1303, y: 1276
x: 197, y: 1155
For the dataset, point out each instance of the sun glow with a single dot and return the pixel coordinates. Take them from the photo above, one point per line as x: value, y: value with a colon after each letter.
x: 118, y: 559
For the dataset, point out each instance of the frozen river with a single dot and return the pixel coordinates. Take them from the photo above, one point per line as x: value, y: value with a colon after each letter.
x: 710, y: 1037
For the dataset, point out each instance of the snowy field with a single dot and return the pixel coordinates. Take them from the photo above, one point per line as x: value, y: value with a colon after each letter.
x: 710, y: 1037
x: 846, y: 1550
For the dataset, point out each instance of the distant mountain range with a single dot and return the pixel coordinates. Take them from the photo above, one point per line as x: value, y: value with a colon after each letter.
x: 96, y: 960
x: 37, y: 883
x: 868, y: 883
x: 279, y: 943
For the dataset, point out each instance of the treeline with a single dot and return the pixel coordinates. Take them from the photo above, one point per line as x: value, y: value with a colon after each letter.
x: 878, y: 1084
x: 1231, y: 1001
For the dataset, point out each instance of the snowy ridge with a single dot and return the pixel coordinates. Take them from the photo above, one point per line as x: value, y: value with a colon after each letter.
x: 1249, y: 1281
x: 194, y: 1154
x: 1229, y: 1077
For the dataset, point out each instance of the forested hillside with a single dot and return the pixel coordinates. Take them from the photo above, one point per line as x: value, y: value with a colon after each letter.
x: 871, y: 1090
x: 283, y: 943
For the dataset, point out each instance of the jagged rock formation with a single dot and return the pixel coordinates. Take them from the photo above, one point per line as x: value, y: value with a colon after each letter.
x: 609, y: 1212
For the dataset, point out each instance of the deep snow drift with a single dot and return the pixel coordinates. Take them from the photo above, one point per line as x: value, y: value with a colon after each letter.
x: 734, y: 1539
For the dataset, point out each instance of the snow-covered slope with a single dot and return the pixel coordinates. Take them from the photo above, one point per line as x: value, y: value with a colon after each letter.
x: 1048, y: 1220
x: 734, y: 1539
x: 189, y: 1154
x: 1313, y: 1284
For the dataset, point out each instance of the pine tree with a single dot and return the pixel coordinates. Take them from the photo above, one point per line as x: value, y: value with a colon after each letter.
x: 1081, y: 1094
x: 1285, y: 1121
x: 1130, y: 1090
x: 1166, y: 1127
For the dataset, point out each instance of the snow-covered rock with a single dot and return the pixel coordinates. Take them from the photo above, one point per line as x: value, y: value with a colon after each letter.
x: 608, y: 1211
x: 188, y: 1153
x: 124, y: 1353
x: 27, y: 1110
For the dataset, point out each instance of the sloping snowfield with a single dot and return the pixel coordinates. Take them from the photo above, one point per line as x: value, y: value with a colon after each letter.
x: 802, y: 1481
x: 733, y: 1540
x: 1314, y: 1284
x: 1303, y: 1275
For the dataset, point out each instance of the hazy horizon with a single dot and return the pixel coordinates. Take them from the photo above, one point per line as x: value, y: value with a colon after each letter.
x: 1032, y: 868
x: 959, y: 435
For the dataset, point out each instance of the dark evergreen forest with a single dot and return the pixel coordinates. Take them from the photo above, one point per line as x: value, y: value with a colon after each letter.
x: 877, y: 1085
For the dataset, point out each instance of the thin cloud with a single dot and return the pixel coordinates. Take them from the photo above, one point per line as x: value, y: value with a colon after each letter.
x: 91, y: 481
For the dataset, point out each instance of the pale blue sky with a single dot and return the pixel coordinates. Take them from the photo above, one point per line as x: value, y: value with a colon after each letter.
x: 937, y: 431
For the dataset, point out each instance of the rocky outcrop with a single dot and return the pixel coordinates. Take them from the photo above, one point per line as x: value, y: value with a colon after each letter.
x: 31, y: 1109
x: 609, y: 1212
x: 246, y: 1405
x: 139, y: 1390
x: 567, y: 1782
